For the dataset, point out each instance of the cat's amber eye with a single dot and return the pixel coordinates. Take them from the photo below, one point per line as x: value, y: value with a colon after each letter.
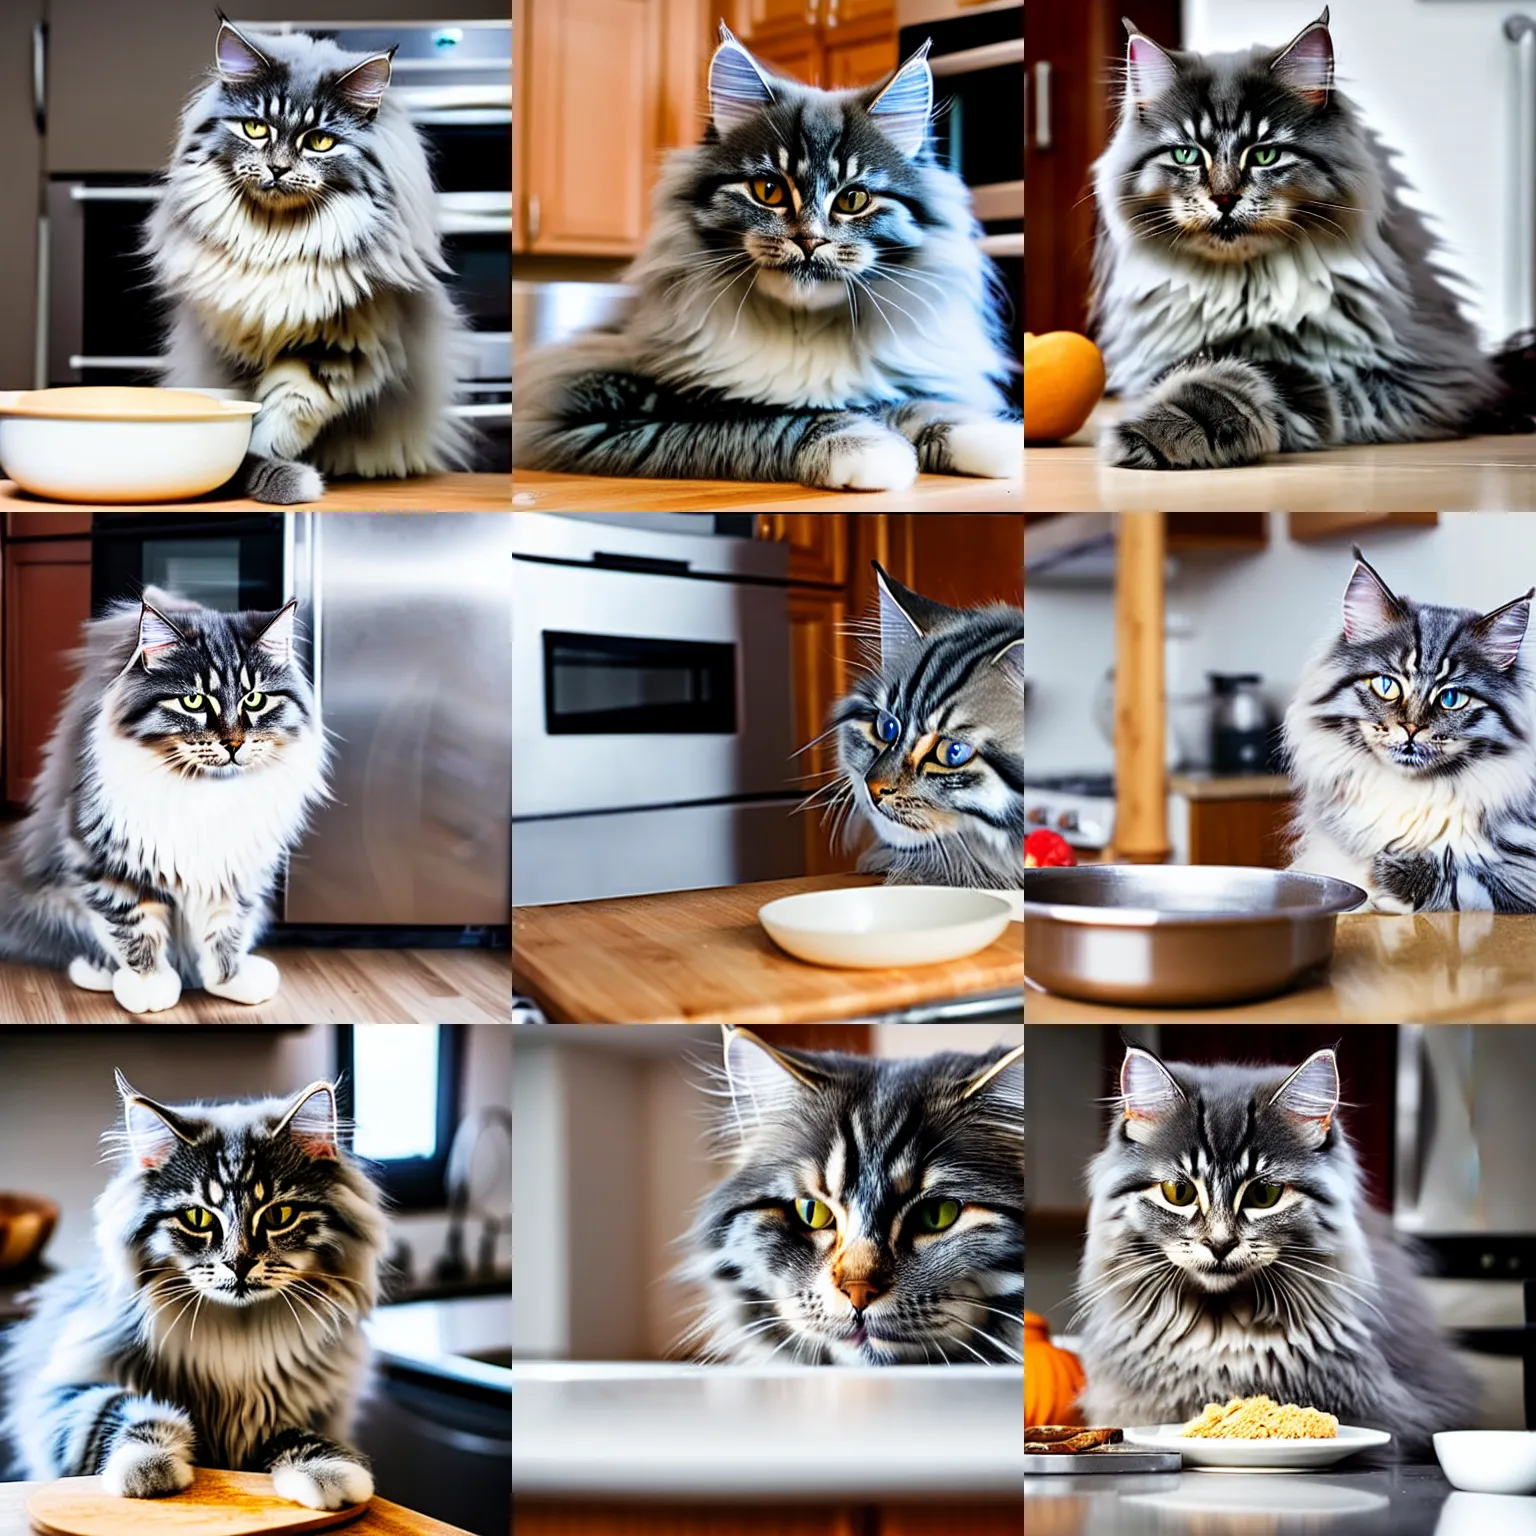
x: 254, y: 130
x: 319, y: 142
x: 278, y: 1218
x: 852, y: 200
x: 1387, y: 688
x: 1454, y: 698
x: 1262, y: 1197
x: 192, y: 701
x: 197, y: 1218
x: 1266, y: 154
x: 1185, y: 154
x: 816, y: 1214
x: 938, y: 1215
x: 769, y: 192
x: 1178, y: 1192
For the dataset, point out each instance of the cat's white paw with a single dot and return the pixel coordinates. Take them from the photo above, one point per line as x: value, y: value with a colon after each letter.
x: 139, y: 1471
x: 150, y: 992
x: 887, y: 463
x: 88, y: 977
x: 328, y: 1484
x: 256, y: 981
x: 993, y: 450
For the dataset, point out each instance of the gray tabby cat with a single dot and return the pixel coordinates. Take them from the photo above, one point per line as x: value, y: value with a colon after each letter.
x: 930, y: 743
x: 221, y: 1323
x: 297, y: 250
x: 1260, y: 285
x: 873, y: 1213
x: 181, y: 772
x: 811, y: 304
x: 1412, y: 746
x: 1231, y: 1252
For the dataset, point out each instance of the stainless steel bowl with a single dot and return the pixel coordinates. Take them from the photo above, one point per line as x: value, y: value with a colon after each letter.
x: 1171, y: 935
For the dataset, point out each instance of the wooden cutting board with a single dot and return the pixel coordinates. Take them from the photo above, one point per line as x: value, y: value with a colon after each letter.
x: 217, y: 1504
x: 703, y: 957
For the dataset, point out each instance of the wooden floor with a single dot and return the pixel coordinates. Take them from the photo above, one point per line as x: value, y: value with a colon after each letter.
x: 320, y: 986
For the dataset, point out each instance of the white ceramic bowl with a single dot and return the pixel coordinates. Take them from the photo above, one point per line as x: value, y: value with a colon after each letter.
x: 1488, y: 1460
x: 122, y: 456
x: 876, y: 926
x: 1256, y: 1455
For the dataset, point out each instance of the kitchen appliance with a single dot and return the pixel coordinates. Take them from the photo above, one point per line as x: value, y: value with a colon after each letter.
x: 97, y: 325
x: 651, y: 721
x: 221, y: 560
x: 1080, y: 806
x: 977, y: 59
x: 1242, y: 724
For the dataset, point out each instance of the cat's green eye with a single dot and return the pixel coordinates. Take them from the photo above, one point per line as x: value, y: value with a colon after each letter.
x: 1387, y: 688
x: 1454, y: 698
x: 816, y: 1214
x: 938, y: 1215
x: 253, y: 700
x: 852, y: 200
x: 319, y: 142
x: 1266, y: 154
x: 1178, y: 1192
x: 192, y: 701
x: 1185, y: 154
x: 197, y: 1218
x: 1262, y: 1197
x: 255, y: 130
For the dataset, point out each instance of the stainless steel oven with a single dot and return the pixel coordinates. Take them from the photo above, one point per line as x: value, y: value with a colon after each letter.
x: 651, y: 711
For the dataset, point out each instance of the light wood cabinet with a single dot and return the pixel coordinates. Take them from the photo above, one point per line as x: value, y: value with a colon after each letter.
x: 519, y: 107
x: 852, y: 64
x: 847, y: 13
x: 765, y: 14
x: 794, y: 53
x: 836, y: 44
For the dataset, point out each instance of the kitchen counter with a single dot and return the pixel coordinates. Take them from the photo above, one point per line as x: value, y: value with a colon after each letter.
x: 1408, y: 1500
x: 426, y: 493
x: 1234, y: 786
x: 703, y: 957
x: 538, y: 491
x: 320, y: 986
x: 464, y: 1339
x: 1438, y: 967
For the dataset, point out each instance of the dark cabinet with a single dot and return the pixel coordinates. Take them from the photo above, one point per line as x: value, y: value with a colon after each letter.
x: 20, y: 166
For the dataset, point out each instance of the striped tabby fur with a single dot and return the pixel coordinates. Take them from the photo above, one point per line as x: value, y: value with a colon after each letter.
x: 891, y: 1150
x: 237, y: 1346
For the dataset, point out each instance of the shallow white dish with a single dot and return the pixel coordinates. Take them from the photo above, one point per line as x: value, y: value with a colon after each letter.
x: 1488, y: 1460
x: 886, y: 925
x: 1257, y: 1455
x: 119, y: 456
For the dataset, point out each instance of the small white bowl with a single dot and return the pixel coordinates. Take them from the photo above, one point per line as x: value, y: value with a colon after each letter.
x: 57, y: 446
x: 875, y: 926
x: 1488, y: 1460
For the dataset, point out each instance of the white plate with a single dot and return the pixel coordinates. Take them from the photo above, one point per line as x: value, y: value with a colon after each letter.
x: 875, y: 926
x: 1257, y: 1455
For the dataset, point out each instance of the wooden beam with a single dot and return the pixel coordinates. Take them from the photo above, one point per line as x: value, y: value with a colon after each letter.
x: 1141, y: 791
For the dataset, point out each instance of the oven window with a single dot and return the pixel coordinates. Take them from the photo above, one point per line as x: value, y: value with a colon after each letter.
x: 977, y: 132
x: 616, y: 685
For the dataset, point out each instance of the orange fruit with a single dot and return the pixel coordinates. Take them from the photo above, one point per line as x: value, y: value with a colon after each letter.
x: 1063, y: 381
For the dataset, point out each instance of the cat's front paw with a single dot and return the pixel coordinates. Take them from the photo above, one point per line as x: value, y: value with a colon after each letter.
x: 331, y: 1482
x: 256, y: 981
x: 992, y: 450
x: 146, y: 991
x: 88, y: 977
x: 873, y: 462
x: 281, y: 482
x: 1192, y: 423
x: 136, y: 1470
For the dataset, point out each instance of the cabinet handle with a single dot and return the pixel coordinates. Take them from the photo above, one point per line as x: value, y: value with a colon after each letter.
x: 40, y: 76
x: 533, y: 216
x: 1042, y: 105
x: 831, y: 13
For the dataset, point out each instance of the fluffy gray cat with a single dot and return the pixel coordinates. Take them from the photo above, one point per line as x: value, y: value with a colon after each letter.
x: 221, y: 1322
x: 296, y: 248
x: 811, y: 304
x: 1231, y: 1252
x: 1412, y: 747
x: 1260, y: 285
x: 182, y: 770
x: 930, y: 744
x: 873, y: 1213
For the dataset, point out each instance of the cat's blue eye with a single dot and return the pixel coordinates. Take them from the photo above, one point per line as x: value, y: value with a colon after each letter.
x: 954, y: 754
x: 887, y: 727
x: 1185, y: 154
x: 1387, y: 688
x: 1454, y: 698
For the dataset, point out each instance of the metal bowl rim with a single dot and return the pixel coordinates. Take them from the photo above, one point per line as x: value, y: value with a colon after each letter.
x: 1337, y: 897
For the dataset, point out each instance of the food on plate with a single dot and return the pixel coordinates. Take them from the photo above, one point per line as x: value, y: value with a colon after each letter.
x: 1261, y: 1418
x: 1068, y: 1439
x: 1063, y: 381
x: 1044, y: 849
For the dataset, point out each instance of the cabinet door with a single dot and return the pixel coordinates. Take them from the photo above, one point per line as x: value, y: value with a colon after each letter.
x: 858, y: 63
x: 817, y: 543
x: 845, y: 13
x: 796, y: 53
x: 18, y: 189
x: 819, y: 651
x: 591, y: 134
x: 768, y: 15
x: 519, y: 107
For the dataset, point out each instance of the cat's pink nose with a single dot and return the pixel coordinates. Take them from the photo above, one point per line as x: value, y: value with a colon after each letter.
x: 809, y: 244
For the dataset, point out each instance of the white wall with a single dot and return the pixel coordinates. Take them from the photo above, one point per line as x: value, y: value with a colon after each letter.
x: 1434, y: 80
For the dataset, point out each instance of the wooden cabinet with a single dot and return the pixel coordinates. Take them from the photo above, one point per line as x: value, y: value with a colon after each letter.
x: 519, y: 106
x: 765, y: 14
x: 836, y: 44
x: 1240, y: 830
x: 19, y: 169
x: 859, y: 63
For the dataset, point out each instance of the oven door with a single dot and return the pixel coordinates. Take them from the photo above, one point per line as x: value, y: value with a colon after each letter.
x: 224, y: 562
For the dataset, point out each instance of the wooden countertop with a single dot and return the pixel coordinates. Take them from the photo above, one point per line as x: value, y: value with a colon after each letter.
x: 703, y: 957
x: 537, y: 491
x: 1439, y: 967
x: 427, y: 493
x: 1234, y: 786
x: 1472, y: 473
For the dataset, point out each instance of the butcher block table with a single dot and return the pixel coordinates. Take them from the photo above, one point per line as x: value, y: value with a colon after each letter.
x: 425, y: 493
x: 703, y: 957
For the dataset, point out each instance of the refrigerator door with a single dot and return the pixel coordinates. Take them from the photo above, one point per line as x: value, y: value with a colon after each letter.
x: 412, y: 615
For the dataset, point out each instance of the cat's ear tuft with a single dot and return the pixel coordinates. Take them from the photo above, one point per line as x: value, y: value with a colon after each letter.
x: 759, y: 1075
x: 1305, y: 64
x: 276, y: 640
x: 363, y: 85
x: 901, y: 109
x: 738, y: 87
x: 310, y: 1119
x: 238, y: 58
x: 1149, y: 70
x: 1370, y: 605
x: 1310, y: 1095
x: 1502, y: 632
x: 153, y: 1131
x: 1011, y: 660
x: 905, y: 616
x: 1147, y: 1092
x: 1003, y: 1077
x: 157, y: 635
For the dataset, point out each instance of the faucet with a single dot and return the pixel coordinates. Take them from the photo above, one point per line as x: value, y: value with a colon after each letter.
x: 451, y: 1265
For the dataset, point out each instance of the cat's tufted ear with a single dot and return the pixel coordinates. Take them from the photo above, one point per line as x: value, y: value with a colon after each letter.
x: 1370, y: 605
x: 364, y: 84
x: 276, y: 640
x: 153, y: 1131
x: 1003, y: 1077
x: 738, y: 87
x: 901, y: 109
x: 760, y: 1076
x: 1147, y: 1092
x: 1149, y: 71
x: 1501, y: 632
x: 1011, y: 660
x: 157, y: 635
x: 238, y: 58
x: 1310, y: 1095
x: 310, y: 1118
x: 1305, y: 64
x: 905, y: 616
